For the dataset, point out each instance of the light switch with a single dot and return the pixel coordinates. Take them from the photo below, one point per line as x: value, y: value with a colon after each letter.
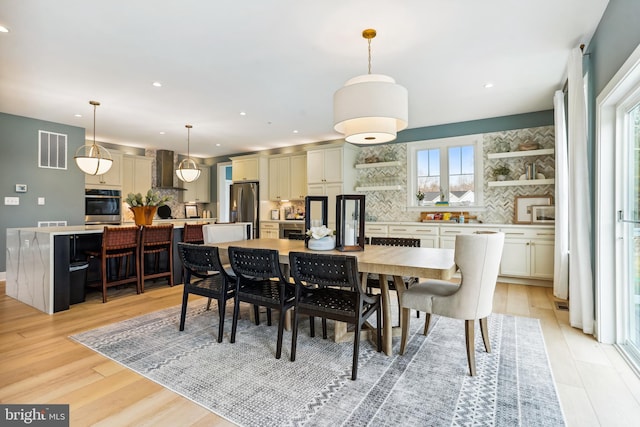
x: 41, y: 200
x: 12, y: 201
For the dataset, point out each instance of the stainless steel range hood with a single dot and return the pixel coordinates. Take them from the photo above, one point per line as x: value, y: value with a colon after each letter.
x: 165, y: 170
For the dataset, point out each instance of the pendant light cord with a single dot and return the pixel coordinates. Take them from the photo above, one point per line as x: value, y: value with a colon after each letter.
x: 369, y: 41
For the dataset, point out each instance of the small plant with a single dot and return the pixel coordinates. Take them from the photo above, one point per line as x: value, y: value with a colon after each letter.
x: 150, y: 199
x: 420, y: 195
x: 501, y: 170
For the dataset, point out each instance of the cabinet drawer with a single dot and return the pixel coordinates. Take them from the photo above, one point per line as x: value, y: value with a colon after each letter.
x: 454, y: 231
x: 414, y: 230
x: 375, y: 230
x: 528, y: 233
x: 270, y: 225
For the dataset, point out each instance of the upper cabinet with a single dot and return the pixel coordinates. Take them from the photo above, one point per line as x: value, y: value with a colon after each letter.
x: 325, y: 165
x: 113, y: 177
x: 245, y: 168
x: 136, y: 174
x: 287, y: 177
x: 198, y: 191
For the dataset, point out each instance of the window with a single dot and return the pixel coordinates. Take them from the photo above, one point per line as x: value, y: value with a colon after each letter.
x: 447, y: 169
x: 52, y: 150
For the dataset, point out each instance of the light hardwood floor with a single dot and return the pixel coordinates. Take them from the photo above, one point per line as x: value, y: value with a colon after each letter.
x: 40, y: 364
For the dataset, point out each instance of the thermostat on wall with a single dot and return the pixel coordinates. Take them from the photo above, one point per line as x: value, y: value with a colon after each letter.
x: 21, y: 188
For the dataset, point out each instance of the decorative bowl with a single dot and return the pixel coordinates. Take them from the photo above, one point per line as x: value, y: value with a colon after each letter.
x: 324, y: 244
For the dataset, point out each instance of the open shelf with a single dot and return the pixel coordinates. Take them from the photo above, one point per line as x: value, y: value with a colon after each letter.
x: 380, y: 188
x: 512, y: 154
x: 378, y: 164
x: 522, y: 182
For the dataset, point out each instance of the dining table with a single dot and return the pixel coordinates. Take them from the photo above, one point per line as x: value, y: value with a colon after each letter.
x: 386, y: 261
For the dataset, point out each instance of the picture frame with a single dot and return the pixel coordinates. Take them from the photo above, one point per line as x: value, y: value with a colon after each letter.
x: 543, y: 214
x: 523, y: 207
x: 191, y: 211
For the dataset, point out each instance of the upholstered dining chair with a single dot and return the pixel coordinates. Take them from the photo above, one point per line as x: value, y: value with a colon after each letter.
x: 260, y: 281
x: 328, y: 286
x: 203, y: 263
x: 478, y: 258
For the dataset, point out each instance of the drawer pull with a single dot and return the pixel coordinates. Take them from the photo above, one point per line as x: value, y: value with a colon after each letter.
x: 514, y: 234
x: 453, y: 232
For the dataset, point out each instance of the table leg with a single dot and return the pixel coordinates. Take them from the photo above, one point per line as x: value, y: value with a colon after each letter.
x: 387, y: 329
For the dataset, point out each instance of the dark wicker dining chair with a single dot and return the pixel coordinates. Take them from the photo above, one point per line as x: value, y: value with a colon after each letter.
x: 260, y: 282
x: 328, y: 286
x: 203, y: 262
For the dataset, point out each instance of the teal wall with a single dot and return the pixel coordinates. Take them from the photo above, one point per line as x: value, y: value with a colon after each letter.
x: 63, y: 190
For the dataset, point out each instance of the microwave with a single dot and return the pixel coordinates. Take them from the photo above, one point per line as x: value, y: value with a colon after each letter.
x: 102, y: 206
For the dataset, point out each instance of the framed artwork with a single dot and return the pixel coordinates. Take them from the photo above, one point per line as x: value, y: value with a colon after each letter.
x: 543, y: 214
x: 523, y: 207
x: 191, y: 211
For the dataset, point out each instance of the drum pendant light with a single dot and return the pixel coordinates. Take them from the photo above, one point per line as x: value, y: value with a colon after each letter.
x: 371, y: 108
x: 93, y: 159
x: 188, y: 169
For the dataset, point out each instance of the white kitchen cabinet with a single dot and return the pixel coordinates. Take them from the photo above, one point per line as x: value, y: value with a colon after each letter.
x: 528, y: 252
x: 198, y: 191
x: 279, y: 178
x: 448, y: 233
x: 428, y: 234
x: 325, y: 165
x: 136, y: 174
x: 376, y: 230
x: 111, y: 179
x: 298, y: 166
x: 245, y: 169
x: 269, y: 230
x: 331, y: 191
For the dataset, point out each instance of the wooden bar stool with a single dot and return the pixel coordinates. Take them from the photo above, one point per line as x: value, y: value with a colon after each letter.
x: 119, y: 244
x: 156, y: 241
x: 192, y: 233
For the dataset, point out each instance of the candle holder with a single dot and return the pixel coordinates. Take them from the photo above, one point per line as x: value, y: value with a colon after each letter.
x: 311, y: 214
x: 350, y: 218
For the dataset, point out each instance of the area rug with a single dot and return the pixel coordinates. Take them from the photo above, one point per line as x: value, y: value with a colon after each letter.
x: 428, y: 386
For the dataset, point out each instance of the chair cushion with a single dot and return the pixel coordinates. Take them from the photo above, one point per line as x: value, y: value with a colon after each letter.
x: 419, y: 296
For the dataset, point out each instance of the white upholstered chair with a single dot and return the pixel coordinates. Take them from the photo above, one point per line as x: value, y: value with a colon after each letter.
x: 478, y: 258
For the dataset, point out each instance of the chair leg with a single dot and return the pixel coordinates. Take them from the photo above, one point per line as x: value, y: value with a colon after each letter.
x: 234, y: 323
x: 356, y: 349
x: 471, y: 351
x: 484, y: 330
x: 427, y: 320
x: 183, y: 311
x: 281, y: 318
x: 209, y: 304
x: 312, y: 325
x: 405, y: 322
x: 268, y: 317
x: 324, y: 328
x: 256, y: 314
x: 221, y: 309
x: 379, y: 328
x: 294, y: 335
x: 105, y: 266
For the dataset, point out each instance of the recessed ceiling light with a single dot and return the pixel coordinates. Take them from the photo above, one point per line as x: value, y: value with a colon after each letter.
x: 157, y: 84
x: 295, y: 131
x: 162, y: 132
x: 217, y: 145
x: 488, y: 85
x: 77, y: 115
x: 3, y: 29
x: 242, y: 113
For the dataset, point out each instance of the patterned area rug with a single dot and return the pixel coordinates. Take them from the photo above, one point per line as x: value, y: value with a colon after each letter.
x: 429, y: 385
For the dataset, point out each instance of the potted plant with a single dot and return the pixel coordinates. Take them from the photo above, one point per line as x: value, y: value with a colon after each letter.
x: 420, y: 197
x: 144, y: 207
x: 501, y: 173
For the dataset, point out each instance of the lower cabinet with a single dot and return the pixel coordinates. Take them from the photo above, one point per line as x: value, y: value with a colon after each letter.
x: 269, y: 230
x: 528, y: 253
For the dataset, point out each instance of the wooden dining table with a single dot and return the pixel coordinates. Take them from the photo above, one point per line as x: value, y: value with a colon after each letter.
x: 394, y: 261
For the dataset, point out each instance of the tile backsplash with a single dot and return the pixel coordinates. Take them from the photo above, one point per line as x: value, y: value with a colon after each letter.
x: 499, y: 201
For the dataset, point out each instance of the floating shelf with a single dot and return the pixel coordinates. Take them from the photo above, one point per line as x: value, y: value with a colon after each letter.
x: 511, y: 154
x: 522, y: 182
x: 380, y: 188
x: 378, y: 165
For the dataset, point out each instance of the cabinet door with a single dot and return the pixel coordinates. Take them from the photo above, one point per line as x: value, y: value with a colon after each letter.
x: 542, y: 259
x: 447, y: 242
x: 331, y: 191
x: 113, y: 177
x: 197, y: 191
x: 279, y: 178
x: 315, y: 167
x: 333, y: 165
x: 245, y: 170
x: 298, y: 177
x: 516, y: 258
x: 136, y: 174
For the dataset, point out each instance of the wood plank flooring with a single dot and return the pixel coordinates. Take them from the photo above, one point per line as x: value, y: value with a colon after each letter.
x: 40, y: 364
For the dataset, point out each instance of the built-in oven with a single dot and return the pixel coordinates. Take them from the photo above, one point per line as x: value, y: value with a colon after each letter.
x: 102, y: 206
x: 291, y: 230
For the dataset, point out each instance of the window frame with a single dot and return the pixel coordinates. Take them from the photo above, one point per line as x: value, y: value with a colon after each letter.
x: 443, y: 144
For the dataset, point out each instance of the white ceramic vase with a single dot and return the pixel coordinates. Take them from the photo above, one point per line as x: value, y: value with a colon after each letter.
x: 324, y: 244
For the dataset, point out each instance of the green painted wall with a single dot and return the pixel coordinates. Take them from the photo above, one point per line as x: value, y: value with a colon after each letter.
x: 63, y: 190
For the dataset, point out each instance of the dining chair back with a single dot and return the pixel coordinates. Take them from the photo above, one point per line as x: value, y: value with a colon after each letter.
x: 156, y: 253
x: 205, y: 276
x: 328, y: 286
x: 260, y: 282
x: 119, y: 258
x: 478, y: 258
x: 192, y: 233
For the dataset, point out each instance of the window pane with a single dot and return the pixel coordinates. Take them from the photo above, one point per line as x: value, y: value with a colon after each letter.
x: 429, y: 173
x: 461, y: 174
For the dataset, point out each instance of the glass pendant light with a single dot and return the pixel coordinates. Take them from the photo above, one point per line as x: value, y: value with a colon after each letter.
x: 93, y: 159
x: 188, y: 169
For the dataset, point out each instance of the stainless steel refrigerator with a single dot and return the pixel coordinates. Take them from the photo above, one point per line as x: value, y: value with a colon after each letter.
x: 244, y: 205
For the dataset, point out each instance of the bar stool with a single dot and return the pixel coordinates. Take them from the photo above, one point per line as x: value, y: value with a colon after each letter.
x: 156, y: 241
x: 192, y: 233
x: 119, y: 244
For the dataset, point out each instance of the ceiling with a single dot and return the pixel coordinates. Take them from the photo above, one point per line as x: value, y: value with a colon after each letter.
x: 278, y: 61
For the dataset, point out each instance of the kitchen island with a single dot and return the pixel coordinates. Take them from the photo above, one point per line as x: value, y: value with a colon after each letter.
x: 38, y: 261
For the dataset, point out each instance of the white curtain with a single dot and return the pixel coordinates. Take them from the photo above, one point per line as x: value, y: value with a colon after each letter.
x: 561, y: 254
x: 580, y: 273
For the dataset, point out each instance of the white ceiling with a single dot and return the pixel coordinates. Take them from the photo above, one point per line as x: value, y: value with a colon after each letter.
x: 280, y: 61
